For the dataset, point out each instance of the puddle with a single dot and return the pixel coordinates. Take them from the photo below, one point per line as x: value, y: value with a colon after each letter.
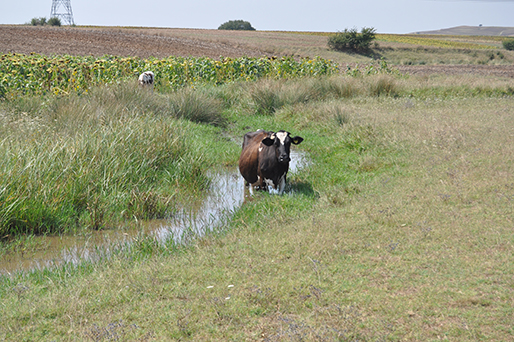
x: 227, y: 193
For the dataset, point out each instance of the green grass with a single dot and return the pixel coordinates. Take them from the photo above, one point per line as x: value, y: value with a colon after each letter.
x: 400, y: 229
x: 95, y: 160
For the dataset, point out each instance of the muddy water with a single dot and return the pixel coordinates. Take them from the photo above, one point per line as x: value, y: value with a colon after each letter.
x: 227, y: 193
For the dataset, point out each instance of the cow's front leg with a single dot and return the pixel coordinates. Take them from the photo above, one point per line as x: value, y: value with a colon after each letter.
x: 281, y: 184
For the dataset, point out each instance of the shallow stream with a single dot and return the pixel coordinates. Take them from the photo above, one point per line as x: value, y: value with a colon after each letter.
x: 227, y: 193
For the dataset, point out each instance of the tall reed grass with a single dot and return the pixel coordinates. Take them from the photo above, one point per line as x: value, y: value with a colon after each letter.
x: 269, y: 96
x: 90, y: 161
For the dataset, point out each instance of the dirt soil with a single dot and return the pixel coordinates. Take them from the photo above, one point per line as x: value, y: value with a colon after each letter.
x: 162, y: 42
x: 83, y: 41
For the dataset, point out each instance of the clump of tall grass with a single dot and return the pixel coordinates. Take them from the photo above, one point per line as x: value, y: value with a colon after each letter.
x: 471, y: 86
x: 335, y: 87
x: 195, y: 106
x: 330, y: 114
x: 265, y: 96
x: 89, y: 161
x: 383, y: 85
x: 268, y: 96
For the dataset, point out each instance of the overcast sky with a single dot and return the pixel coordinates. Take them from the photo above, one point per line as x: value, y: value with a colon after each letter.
x: 386, y: 16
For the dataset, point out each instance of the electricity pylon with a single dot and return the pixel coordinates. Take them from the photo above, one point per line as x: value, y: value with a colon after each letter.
x: 67, y: 15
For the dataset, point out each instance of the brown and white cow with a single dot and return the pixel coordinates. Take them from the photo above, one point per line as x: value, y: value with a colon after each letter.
x: 146, y: 79
x: 264, y: 160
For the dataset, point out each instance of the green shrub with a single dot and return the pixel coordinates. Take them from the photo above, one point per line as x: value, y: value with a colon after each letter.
x: 508, y: 44
x: 41, y: 21
x: 350, y: 39
x: 236, y: 25
x: 54, y: 21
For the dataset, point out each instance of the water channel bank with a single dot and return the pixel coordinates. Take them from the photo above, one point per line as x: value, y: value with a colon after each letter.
x: 227, y: 193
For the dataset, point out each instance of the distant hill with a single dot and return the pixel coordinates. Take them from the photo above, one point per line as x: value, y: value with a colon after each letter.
x: 473, y: 31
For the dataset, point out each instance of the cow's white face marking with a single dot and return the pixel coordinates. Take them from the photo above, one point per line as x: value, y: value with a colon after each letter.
x: 260, y: 149
x: 282, y: 137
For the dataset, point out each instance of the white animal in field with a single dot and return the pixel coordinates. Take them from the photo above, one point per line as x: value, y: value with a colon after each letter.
x: 146, y: 79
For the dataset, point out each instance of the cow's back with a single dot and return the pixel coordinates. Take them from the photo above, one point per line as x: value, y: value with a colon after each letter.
x: 249, y: 159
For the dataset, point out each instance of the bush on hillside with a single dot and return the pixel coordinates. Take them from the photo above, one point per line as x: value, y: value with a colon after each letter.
x: 41, y: 21
x: 508, y: 44
x: 38, y: 21
x: 236, y: 25
x: 352, y: 40
x: 54, y: 21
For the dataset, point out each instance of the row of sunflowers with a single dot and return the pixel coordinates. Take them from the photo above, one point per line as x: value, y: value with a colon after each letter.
x: 37, y: 74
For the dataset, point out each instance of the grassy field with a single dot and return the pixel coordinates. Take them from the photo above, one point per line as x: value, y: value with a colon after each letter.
x: 399, y: 229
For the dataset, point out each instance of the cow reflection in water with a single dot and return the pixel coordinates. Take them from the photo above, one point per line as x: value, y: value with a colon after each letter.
x: 264, y: 160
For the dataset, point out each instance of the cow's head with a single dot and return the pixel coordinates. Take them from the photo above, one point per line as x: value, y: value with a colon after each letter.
x: 146, y: 78
x: 282, y: 141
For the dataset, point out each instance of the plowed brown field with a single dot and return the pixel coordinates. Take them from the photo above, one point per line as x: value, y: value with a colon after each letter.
x: 162, y: 42
x: 111, y: 41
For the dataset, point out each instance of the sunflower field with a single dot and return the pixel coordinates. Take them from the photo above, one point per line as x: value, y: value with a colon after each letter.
x: 37, y: 74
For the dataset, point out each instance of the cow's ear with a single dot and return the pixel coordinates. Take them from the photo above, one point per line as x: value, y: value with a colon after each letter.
x: 268, y: 141
x: 296, y: 140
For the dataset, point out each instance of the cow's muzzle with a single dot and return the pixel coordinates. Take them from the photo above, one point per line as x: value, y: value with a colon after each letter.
x: 284, y: 159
